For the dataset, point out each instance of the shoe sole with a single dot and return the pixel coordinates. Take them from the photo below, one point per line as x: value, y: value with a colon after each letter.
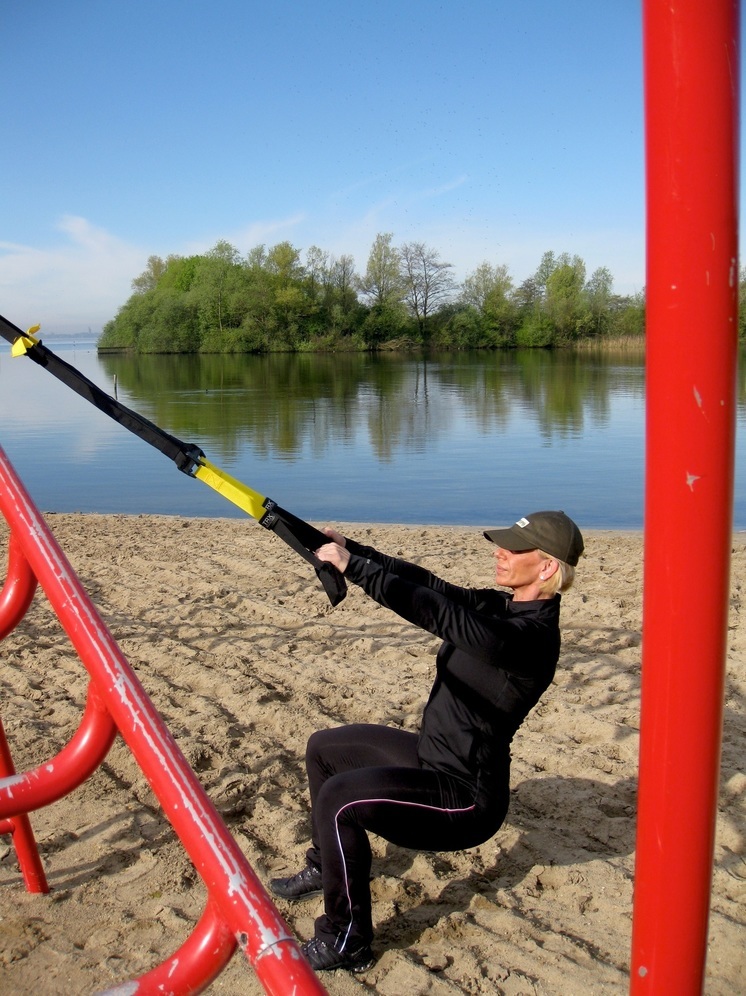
x: 322, y: 962
x: 359, y: 969
x: 343, y: 966
x: 296, y: 899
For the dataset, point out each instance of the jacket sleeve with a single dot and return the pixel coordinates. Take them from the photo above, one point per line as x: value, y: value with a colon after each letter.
x: 406, y: 571
x: 467, y: 618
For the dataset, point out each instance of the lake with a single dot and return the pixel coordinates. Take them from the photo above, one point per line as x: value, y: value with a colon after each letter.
x: 455, y: 439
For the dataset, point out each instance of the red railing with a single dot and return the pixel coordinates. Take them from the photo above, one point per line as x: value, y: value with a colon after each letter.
x: 238, y: 913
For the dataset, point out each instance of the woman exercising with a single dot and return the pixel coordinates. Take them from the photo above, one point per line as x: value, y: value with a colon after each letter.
x: 446, y: 788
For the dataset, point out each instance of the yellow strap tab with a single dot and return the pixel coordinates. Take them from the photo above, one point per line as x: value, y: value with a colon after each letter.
x: 240, y: 494
x: 24, y: 342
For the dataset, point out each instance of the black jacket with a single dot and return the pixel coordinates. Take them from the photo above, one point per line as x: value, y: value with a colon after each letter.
x: 497, y: 658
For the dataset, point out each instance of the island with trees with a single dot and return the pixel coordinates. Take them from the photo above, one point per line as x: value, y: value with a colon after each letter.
x: 279, y: 299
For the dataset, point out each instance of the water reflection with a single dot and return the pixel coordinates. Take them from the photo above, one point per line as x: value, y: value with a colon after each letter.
x: 460, y: 438
x: 281, y: 404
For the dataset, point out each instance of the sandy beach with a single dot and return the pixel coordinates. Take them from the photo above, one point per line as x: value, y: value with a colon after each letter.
x: 243, y: 656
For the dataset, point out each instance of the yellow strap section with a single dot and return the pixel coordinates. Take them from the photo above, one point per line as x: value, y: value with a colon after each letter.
x: 240, y: 494
x: 24, y: 342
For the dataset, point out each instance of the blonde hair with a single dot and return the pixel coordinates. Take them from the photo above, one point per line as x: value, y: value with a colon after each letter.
x: 562, y: 578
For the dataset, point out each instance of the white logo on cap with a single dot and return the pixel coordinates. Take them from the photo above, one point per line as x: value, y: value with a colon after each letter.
x: 523, y: 523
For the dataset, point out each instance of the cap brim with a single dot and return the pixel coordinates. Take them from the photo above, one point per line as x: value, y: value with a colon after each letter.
x: 509, y: 540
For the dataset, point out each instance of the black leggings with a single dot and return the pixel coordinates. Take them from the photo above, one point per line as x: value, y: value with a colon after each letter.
x: 368, y: 778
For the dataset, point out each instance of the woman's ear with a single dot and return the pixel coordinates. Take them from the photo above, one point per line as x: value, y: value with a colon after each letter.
x: 548, y: 569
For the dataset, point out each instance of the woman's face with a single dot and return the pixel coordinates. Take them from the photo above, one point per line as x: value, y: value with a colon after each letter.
x: 519, y: 571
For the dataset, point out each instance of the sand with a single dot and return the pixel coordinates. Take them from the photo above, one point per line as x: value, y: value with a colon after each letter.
x: 244, y: 657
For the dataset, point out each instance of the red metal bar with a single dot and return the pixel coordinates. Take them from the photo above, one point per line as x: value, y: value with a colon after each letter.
x: 691, y: 96
x: 20, y: 828
x: 199, y: 960
x: 53, y: 779
x: 18, y: 590
x: 237, y: 893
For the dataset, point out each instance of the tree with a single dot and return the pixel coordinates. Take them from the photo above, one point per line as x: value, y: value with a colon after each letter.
x: 564, y: 302
x: 271, y: 299
x: 180, y: 273
x: 258, y: 322
x: 283, y: 262
x: 490, y: 291
x: 212, y: 284
x: 598, y: 293
x: 382, y: 284
x: 527, y: 295
x: 290, y: 303
x: 317, y: 271
x: 427, y: 280
x: 628, y: 315
x: 342, y: 273
x: 256, y: 258
x: 484, y: 283
x: 150, y: 276
x: 545, y: 269
x: 344, y: 304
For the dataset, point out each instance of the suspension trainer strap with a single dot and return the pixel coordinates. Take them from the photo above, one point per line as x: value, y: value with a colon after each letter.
x: 303, y: 538
x: 184, y: 455
x: 298, y: 534
x: 189, y: 458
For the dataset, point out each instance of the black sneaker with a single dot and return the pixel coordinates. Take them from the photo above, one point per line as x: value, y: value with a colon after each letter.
x: 304, y: 885
x: 322, y: 957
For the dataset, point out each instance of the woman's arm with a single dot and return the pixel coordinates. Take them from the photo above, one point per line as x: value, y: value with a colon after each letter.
x: 341, y: 549
x: 472, y: 619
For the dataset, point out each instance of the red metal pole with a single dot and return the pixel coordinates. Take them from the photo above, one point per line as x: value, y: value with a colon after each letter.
x: 56, y: 777
x: 691, y: 95
x: 199, y: 960
x: 20, y: 827
x: 18, y: 590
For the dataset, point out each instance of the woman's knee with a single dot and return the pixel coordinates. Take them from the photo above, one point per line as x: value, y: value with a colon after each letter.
x: 314, y: 745
x: 338, y: 797
x: 319, y: 743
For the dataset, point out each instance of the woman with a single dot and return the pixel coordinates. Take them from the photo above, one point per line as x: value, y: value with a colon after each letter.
x: 446, y: 788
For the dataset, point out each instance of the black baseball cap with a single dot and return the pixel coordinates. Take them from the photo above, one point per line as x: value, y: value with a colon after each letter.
x: 553, y: 532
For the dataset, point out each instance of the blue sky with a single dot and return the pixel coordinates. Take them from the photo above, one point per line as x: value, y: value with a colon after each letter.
x: 491, y: 131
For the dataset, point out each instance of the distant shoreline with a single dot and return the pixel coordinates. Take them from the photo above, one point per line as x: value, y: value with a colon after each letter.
x: 621, y: 344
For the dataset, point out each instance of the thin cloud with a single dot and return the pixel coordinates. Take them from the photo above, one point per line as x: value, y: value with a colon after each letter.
x: 445, y: 188
x: 76, y: 284
x: 254, y: 234
x: 82, y: 282
x: 382, y: 176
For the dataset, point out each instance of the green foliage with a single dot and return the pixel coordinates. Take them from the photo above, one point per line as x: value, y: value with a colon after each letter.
x: 383, y: 323
x: 626, y: 316
x: 536, y: 332
x: 565, y: 306
x: 274, y: 300
x: 463, y: 329
x: 180, y: 273
x: 383, y: 282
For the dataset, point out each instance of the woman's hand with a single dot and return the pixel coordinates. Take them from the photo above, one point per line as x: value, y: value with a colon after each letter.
x: 334, y: 536
x: 335, y: 554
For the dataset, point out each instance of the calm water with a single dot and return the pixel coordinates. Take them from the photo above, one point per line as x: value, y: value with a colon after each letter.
x: 461, y: 440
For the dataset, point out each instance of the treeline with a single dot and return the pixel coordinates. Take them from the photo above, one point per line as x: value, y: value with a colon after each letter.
x: 273, y: 300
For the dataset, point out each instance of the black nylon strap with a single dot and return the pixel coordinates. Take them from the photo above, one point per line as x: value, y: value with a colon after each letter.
x: 304, y: 539
x: 184, y: 455
x: 300, y: 535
